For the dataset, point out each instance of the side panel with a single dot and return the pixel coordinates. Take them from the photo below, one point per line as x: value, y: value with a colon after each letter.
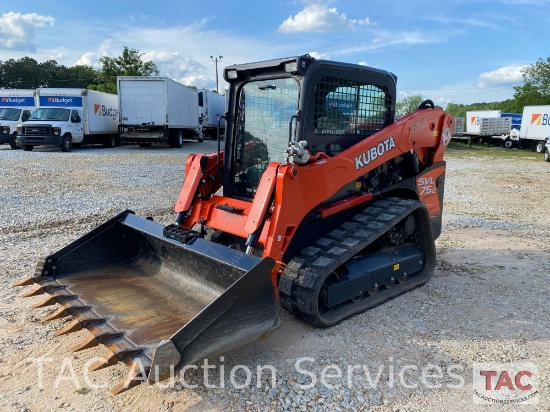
x: 514, y: 117
x: 142, y: 101
x: 535, y: 124
x: 101, y: 113
x: 183, y: 105
x: 214, y: 106
x: 21, y: 98
x: 472, y: 119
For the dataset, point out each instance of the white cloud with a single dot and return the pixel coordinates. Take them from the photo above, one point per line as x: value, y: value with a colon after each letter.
x: 88, y: 59
x: 502, y: 75
x: 320, y: 56
x: 363, y: 64
x: 17, y: 31
x: 321, y: 19
x: 384, y: 39
x: 470, y: 21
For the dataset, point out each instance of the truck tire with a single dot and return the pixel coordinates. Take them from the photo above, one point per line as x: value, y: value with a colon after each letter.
x: 109, y: 141
x: 13, y: 144
x: 508, y: 143
x: 177, y: 140
x: 66, y: 144
x: 539, y: 147
x: 547, y: 156
x: 27, y: 147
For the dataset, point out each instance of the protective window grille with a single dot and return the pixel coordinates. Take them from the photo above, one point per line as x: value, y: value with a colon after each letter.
x: 264, y: 112
x: 347, y: 107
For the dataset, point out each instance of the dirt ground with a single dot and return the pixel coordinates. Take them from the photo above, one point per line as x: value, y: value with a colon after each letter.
x: 486, y: 303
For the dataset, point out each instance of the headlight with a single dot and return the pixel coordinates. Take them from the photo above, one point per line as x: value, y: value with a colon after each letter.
x: 18, y: 128
x: 57, y: 131
x: 6, y: 129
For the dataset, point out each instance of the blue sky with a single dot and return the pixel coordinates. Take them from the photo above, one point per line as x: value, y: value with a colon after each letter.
x: 458, y: 51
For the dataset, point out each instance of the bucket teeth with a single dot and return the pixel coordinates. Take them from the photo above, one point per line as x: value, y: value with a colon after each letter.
x: 66, y: 309
x: 82, y: 320
x: 112, y: 358
x: 58, y: 314
x: 39, y: 290
x: 49, y: 301
x: 56, y: 296
x: 74, y: 326
x: 100, y: 333
x: 138, y: 374
x: 30, y: 280
x: 90, y: 342
x: 24, y: 282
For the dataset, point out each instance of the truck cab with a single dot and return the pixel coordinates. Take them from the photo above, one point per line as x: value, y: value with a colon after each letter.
x: 10, y: 117
x: 58, y: 126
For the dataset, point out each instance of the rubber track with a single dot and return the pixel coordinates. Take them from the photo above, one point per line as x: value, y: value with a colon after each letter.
x: 299, y: 286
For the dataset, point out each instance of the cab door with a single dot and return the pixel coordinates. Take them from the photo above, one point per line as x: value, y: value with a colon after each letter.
x: 76, y: 123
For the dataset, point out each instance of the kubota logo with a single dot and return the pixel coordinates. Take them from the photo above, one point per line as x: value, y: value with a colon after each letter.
x: 374, y: 152
x: 540, y: 119
x: 102, y: 110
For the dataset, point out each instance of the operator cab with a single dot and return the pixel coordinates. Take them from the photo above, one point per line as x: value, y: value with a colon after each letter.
x: 330, y: 105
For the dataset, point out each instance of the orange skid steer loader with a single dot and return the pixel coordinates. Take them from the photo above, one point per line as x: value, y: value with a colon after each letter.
x: 318, y: 201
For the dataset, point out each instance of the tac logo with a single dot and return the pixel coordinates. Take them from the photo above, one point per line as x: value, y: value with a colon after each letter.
x: 505, y: 384
x: 102, y: 110
x: 540, y: 119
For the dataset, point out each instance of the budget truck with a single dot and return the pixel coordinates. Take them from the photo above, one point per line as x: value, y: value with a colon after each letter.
x: 157, y: 110
x: 65, y: 117
x: 535, y: 128
x: 16, y: 106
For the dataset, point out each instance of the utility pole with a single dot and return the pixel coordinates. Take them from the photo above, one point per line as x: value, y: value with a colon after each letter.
x: 216, y: 60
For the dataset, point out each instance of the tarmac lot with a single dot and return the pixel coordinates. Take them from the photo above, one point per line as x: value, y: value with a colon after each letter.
x: 486, y: 303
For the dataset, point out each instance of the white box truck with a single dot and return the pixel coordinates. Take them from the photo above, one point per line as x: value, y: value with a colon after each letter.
x: 65, y: 117
x: 535, y: 127
x: 211, y: 108
x: 157, y: 110
x: 473, y: 122
x: 16, y: 106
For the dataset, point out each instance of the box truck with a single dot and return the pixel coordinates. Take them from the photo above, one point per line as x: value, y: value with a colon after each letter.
x: 16, y: 106
x: 473, y: 121
x: 491, y: 126
x: 535, y: 127
x: 211, y: 108
x: 157, y: 110
x: 65, y: 117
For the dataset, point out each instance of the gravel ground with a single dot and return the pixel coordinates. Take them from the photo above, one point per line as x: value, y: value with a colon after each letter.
x: 487, y: 301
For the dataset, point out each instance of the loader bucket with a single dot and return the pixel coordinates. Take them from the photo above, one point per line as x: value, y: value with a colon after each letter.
x: 154, y: 302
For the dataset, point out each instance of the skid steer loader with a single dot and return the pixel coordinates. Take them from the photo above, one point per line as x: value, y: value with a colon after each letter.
x: 318, y: 201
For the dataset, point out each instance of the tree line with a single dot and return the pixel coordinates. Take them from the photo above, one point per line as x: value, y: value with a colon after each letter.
x: 27, y: 73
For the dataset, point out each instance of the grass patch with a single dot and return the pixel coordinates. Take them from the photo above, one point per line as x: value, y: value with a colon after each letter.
x: 459, y: 150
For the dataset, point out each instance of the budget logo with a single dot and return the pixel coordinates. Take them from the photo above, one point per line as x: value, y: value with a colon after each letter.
x: 102, y: 110
x: 13, y: 100
x: 540, y: 119
x: 505, y: 384
x: 64, y: 100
